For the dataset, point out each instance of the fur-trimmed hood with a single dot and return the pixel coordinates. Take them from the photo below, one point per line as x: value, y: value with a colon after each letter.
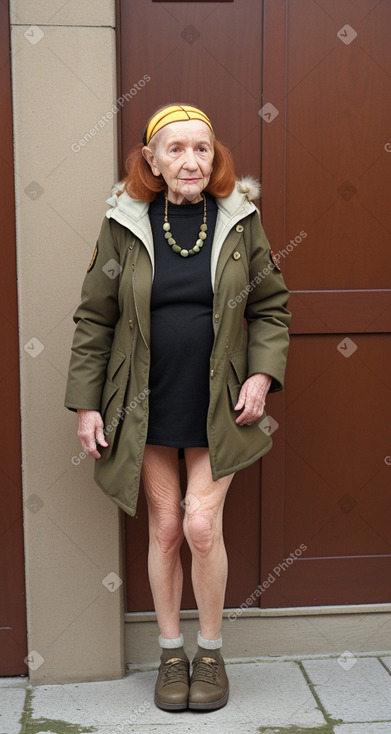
x: 250, y: 187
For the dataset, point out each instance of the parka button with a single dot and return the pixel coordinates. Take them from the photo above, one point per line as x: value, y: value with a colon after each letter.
x: 236, y: 255
x: 212, y: 374
x: 239, y: 228
x: 217, y: 317
x: 130, y: 324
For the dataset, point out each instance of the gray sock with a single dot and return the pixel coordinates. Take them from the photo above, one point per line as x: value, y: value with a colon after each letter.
x: 172, y: 648
x: 209, y: 644
x: 208, y: 648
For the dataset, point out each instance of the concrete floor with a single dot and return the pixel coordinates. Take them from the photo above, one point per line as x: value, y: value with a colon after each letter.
x: 346, y: 694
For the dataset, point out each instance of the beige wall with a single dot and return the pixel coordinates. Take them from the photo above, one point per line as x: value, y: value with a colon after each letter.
x: 259, y: 633
x: 64, y: 81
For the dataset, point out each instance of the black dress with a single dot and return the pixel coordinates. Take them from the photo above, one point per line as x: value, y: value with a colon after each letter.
x: 181, y: 327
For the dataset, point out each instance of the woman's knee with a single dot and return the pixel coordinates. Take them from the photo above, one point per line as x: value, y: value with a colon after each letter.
x: 199, y: 530
x: 165, y: 517
x: 167, y: 530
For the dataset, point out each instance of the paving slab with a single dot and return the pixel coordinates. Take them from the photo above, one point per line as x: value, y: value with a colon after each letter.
x: 274, y: 694
x: 11, y: 709
x: 379, y: 728
x: 261, y: 694
x: 201, y: 723
x: 353, y: 689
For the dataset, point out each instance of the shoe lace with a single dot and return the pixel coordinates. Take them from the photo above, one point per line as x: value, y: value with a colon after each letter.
x: 175, y: 670
x: 205, y: 669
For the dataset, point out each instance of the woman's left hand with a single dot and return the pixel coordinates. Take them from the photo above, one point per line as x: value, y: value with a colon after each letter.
x: 252, y: 398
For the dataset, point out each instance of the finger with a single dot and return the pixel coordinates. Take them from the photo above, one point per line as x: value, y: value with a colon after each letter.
x: 242, y: 399
x: 100, y: 438
x: 94, y: 454
x: 91, y: 449
x: 245, y: 415
x: 244, y: 418
x: 250, y: 413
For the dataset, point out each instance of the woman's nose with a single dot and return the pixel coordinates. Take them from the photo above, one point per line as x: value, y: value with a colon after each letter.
x: 190, y: 160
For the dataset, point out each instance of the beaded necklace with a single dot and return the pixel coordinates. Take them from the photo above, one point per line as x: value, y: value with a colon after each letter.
x: 202, y: 235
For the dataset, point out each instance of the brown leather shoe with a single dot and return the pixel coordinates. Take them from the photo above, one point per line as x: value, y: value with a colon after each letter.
x: 209, y: 687
x: 172, y: 685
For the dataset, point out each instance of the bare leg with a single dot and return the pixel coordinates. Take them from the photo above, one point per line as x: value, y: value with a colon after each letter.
x: 204, y: 532
x: 160, y: 474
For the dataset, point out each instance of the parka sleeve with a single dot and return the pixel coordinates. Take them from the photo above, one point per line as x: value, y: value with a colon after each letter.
x: 95, y: 320
x: 266, y: 313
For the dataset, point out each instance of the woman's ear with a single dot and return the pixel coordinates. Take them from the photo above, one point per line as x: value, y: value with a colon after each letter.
x: 149, y: 156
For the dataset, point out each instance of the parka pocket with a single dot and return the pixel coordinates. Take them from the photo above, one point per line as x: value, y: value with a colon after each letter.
x: 237, y: 372
x: 116, y: 360
x: 110, y: 387
x: 108, y: 392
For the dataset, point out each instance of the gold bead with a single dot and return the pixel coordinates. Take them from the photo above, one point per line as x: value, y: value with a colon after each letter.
x: 203, y: 227
x: 171, y: 241
x: 184, y: 253
x: 166, y: 226
x: 203, y: 235
x: 176, y: 248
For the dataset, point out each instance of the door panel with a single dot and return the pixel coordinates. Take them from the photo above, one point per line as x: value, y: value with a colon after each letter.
x: 339, y: 479
x: 197, y: 52
x: 327, y: 487
x: 12, y: 594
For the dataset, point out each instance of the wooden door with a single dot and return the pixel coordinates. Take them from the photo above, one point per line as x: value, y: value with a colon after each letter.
x: 197, y: 52
x: 13, y: 643
x: 326, y: 486
x: 304, y: 104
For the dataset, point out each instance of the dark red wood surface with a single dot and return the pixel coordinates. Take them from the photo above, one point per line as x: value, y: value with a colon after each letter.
x: 13, y: 641
x: 208, y: 54
x: 326, y: 483
x: 324, y: 161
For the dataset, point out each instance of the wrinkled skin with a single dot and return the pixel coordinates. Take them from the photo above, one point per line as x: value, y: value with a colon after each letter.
x: 182, y: 153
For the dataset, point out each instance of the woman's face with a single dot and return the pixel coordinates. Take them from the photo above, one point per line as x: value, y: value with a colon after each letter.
x: 182, y: 152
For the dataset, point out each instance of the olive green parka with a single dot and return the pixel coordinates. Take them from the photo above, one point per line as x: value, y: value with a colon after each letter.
x: 109, y: 366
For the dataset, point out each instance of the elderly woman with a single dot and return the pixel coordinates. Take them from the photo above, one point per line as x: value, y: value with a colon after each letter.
x: 181, y: 333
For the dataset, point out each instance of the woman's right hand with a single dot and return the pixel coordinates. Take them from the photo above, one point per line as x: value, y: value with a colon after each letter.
x: 90, y: 431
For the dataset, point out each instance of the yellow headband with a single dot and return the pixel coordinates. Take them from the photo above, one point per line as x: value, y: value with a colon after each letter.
x: 173, y: 113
